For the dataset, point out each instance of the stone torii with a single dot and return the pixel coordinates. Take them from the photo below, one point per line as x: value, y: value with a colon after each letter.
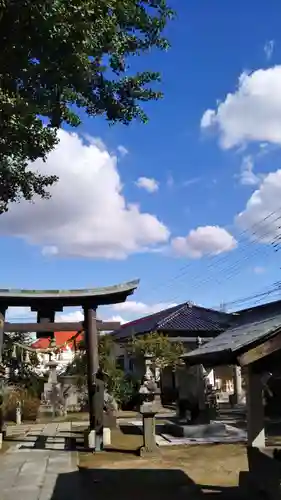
x: 46, y: 303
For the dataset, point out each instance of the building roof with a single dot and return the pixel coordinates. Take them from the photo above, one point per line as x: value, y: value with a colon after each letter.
x: 100, y: 296
x: 247, y: 333
x: 60, y: 338
x: 184, y: 317
x: 259, y: 311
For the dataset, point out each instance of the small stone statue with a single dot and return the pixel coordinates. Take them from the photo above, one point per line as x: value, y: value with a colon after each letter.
x: 148, y: 389
x: 109, y: 402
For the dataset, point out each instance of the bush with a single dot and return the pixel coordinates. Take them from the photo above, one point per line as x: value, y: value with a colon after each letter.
x: 29, y: 404
x: 30, y: 408
x: 129, y: 398
x: 123, y: 388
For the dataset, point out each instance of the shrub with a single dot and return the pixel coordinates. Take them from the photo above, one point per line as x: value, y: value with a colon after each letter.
x: 29, y: 404
x: 125, y: 391
x: 30, y: 408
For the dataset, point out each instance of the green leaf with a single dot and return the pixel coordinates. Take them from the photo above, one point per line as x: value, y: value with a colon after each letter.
x: 157, y: 345
x: 62, y: 54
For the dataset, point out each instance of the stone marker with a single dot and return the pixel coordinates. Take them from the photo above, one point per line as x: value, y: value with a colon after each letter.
x: 18, y: 413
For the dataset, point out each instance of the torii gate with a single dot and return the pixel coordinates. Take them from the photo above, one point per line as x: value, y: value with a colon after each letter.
x: 46, y: 303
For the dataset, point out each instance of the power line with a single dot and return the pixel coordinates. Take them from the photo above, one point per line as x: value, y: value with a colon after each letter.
x: 244, y: 235
x: 230, y: 271
x: 275, y: 287
x: 260, y: 230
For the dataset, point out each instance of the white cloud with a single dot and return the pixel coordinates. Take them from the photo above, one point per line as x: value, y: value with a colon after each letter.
x: 268, y: 49
x: 247, y: 175
x: 149, y: 184
x: 87, y: 215
x: 140, y: 308
x: 75, y: 316
x: 95, y: 141
x: 72, y: 316
x: 259, y: 270
x: 170, y: 181
x: 192, y: 181
x: 262, y: 214
x: 117, y: 318
x: 208, y: 118
x: 20, y: 314
x: 251, y: 113
x: 122, y: 150
x: 206, y: 240
x: 49, y: 251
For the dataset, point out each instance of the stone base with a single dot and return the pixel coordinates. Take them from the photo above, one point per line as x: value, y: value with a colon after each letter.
x: 106, y: 436
x: 144, y: 452
x: 45, y: 411
x: 96, y: 443
x: 201, y: 431
x: 203, y: 418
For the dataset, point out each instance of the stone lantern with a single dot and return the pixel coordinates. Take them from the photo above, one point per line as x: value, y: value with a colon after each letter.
x: 148, y: 408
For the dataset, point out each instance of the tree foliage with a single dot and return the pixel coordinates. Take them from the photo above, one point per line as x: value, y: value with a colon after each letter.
x: 119, y: 385
x: 20, y: 370
x: 159, y: 347
x: 61, y: 55
x: 79, y: 364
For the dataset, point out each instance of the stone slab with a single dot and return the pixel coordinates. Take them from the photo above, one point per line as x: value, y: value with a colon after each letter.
x: 169, y: 433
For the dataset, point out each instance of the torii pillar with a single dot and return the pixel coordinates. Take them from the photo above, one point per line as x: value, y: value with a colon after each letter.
x: 2, y: 370
x: 95, y: 385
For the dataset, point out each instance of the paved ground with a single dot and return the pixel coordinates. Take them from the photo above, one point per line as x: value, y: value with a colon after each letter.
x: 42, y: 465
x: 31, y: 468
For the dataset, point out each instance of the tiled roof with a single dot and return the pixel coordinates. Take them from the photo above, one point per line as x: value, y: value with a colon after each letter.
x: 184, y: 317
x: 259, y: 311
x: 194, y: 318
x: 60, y: 337
x: 237, y: 339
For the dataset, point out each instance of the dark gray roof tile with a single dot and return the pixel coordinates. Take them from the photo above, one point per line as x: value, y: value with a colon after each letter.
x: 237, y: 338
x: 184, y: 317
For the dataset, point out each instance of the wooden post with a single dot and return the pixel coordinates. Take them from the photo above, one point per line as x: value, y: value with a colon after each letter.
x: 2, y: 371
x: 237, y: 382
x: 98, y: 413
x: 255, y: 410
x: 95, y: 386
x: 2, y: 323
x: 44, y: 316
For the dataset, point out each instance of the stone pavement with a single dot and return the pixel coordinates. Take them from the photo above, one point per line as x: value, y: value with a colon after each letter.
x: 30, y: 469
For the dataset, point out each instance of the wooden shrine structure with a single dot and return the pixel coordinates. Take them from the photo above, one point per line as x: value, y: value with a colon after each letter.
x: 254, y: 344
x: 46, y: 303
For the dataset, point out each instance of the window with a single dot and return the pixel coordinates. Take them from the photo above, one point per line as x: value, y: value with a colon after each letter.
x: 120, y: 362
x: 131, y: 365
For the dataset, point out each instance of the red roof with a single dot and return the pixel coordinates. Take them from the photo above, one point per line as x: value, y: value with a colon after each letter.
x: 60, y: 338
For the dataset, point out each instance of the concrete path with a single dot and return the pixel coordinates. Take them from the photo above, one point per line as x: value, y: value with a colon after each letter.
x: 30, y: 469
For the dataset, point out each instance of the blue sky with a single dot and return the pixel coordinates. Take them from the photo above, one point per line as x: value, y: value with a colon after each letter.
x: 188, y: 168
